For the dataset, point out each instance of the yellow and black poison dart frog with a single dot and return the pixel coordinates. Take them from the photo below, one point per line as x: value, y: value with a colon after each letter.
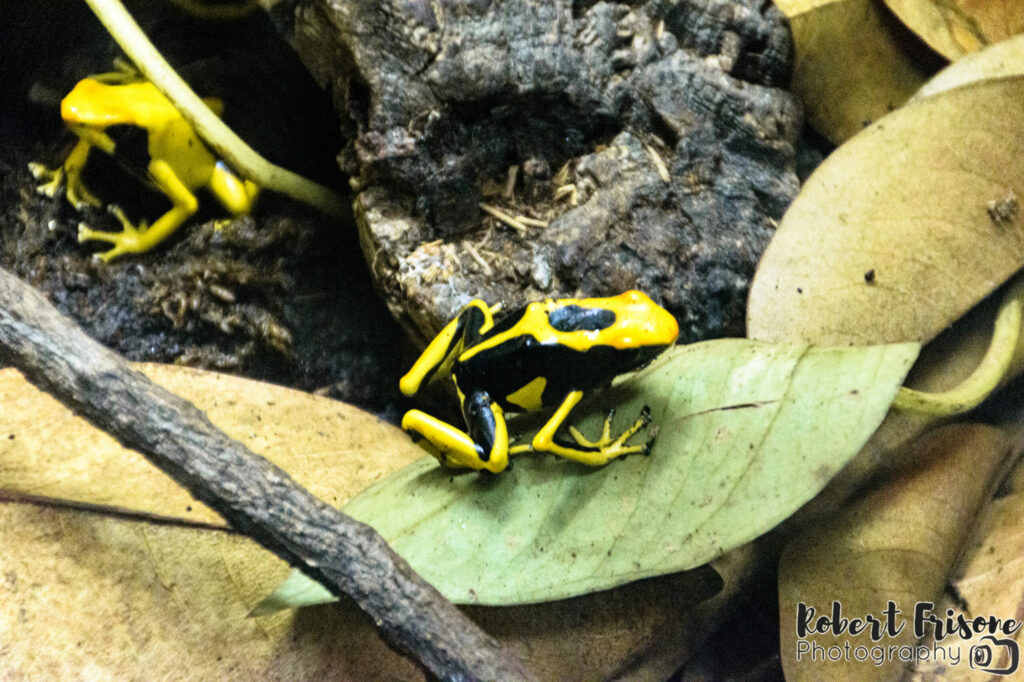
x: 549, y: 354
x: 179, y: 163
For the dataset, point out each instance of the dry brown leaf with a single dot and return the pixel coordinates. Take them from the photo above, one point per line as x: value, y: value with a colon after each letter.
x: 900, y: 231
x: 104, y: 593
x: 333, y: 449
x: 989, y: 580
x: 641, y: 631
x: 955, y: 27
x: 850, y: 68
x: 1002, y: 60
x: 89, y: 596
x: 897, y: 543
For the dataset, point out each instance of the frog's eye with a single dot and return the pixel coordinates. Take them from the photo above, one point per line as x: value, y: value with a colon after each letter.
x: 573, y: 318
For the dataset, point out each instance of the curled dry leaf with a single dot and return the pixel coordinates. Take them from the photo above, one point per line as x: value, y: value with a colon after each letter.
x: 117, y: 596
x: 904, y: 228
x: 898, y: 543
x: 850, y: 65
x: 1002, y: 60
x: 954, y: 28
x: 989, y: 580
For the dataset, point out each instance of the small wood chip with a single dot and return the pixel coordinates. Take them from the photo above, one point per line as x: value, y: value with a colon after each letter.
x: 567, y: 191
x: 659, y: 164
x: 532, y: 222
x: 475, y: 255
x: 504, y: 217
x: 510, y: 183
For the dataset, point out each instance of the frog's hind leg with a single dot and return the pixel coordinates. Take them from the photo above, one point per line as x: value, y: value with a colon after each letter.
x: 235, y: 194
x: 592, y: 453
x: 138, y: 239
x: 484, y: 447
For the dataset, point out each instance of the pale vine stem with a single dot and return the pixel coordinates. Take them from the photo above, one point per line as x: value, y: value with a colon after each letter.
x: 123, y: 28
x: 990, y: 371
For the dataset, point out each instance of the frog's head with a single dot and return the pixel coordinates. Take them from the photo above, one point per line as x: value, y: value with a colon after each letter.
x: 90, y: 103
x: 98, y: 105
x: 628, y: 321
x: 640, y: 322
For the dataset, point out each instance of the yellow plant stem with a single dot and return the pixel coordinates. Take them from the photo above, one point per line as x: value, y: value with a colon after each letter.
x: 210, y: 128
x: 986, y: 377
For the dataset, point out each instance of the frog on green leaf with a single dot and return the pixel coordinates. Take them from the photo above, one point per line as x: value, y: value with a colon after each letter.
x: 550, y: 354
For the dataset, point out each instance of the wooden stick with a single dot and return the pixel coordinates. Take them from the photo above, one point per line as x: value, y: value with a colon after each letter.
x: 256, y: 497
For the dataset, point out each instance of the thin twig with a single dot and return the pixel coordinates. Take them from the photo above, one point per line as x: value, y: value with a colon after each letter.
x: 256, y: 497
x: 531, y: 222
x: 503, y: 217
x: 475, y: 255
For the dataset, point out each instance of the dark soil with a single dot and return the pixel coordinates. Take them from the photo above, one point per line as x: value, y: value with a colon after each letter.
x: 283, y: 295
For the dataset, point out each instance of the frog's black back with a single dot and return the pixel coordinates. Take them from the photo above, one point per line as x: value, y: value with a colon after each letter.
x: 508, y: 367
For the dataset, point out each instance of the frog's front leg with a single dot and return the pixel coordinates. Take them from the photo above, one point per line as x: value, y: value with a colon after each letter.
x: 485, y: 446
x: 592, y: 453
x: 124, y: 72
x: 78, y: 195
x: 437, y: 358
x: 138, y: 239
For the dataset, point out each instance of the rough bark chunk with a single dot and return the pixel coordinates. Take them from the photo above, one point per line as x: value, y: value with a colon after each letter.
x: 660, y: 121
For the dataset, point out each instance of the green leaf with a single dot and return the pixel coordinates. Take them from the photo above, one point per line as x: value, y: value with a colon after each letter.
x: 747, y: 432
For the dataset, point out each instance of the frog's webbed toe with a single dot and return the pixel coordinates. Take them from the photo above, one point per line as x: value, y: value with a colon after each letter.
x: 581, y: 449
x: 608, y: 447
x: 126, y: 241
x: 79, y: 195
x: 55, y: 179
x: 52, y: 178
x: 131, y: 239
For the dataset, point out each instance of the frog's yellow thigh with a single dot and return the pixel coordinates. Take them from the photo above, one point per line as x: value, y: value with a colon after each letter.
x: 138, y: 240
x: 455, y: 447
x: 233, y: 193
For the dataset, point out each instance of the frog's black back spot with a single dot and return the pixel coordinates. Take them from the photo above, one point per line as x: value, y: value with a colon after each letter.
x: 573, y: 318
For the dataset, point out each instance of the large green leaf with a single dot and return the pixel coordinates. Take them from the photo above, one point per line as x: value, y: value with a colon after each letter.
x: 746, y: 433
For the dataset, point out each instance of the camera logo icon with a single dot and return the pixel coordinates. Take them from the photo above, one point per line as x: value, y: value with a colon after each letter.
x: 985, y: 656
